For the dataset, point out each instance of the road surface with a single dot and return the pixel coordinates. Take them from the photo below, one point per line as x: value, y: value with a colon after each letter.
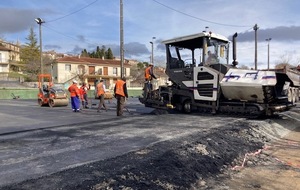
x: 37, y: 142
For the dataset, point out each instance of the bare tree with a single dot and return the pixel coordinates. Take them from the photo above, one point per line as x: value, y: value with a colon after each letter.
x: 284, y: 61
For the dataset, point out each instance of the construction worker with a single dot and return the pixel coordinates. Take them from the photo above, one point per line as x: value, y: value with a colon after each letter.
x: 74, y: 93
x: 149, y: 75
x: 211, y: 59
x: 100, y: 93
x: 83, y: 95
x: 120, y: 93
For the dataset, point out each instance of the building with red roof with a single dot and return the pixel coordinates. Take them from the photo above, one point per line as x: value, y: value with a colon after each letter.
x: 89, y: 70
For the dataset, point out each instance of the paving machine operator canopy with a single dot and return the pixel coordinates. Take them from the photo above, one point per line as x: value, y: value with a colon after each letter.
x: 204, y: 48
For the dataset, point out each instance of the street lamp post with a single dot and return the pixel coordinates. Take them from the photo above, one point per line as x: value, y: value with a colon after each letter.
x: 255, y: 28
x: 39, y: 21
x: 152, y: 56
x: 268, y: 40
x: 151, y: 60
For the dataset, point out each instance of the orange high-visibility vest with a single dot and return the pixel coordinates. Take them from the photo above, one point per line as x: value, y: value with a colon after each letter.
x: 100, y: 89
x: 147, y: 73
x: 74, y: 91
x: 119, y: 87
x: 83, y: 89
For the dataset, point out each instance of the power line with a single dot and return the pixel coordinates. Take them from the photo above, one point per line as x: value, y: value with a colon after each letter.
x: 76, y: 39
x: 198, y: 17
x: 73, y: 12
x: 69, y: 36
x: 60, y: 33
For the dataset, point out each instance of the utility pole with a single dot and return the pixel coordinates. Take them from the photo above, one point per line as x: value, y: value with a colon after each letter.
x: 121, y: 39
x: 39, y: 21
x: 255, y: 28
x: 268, y: 40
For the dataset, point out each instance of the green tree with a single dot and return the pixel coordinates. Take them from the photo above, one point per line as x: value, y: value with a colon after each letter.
x: 98, y: 52
x: 146, y: 64
x: 84, y: 53
x: 140, y: 65
x: 109, y: 54
x: 92, y: 55
x: 30, y: 56
x: 102, y: 51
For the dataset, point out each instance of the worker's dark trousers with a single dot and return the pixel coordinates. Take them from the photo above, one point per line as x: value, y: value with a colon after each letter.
x: 147, y: 89
x: 85, y: 101
x: 120, y: 104
x: 101, y: 102
x: 75, y: 102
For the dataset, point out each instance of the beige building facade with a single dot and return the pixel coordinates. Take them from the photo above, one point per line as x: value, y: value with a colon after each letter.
x: 9, y: 57
x: 14, y: 53
x: 89, y: 70
x: 4, y: 59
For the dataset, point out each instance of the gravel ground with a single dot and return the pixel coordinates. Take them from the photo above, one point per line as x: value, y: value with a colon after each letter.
x: 208, y: 160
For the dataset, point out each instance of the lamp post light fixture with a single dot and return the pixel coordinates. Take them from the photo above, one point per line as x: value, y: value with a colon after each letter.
x: 40, y: 21
x: 268, y: 40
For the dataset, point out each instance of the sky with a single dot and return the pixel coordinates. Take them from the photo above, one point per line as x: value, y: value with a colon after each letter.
x: 73, y: 25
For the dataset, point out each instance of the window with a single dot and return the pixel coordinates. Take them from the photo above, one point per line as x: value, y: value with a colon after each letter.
x: 100, y: 71
x: 68, y: 67
x: 81, y: 69
x: 91, y: 70
x: 105, y: 71
x: 115, y: 71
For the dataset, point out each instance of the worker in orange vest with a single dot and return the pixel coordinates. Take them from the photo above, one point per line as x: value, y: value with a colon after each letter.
x: 120, y: 93
x: 100, y: 93
x: 83, y: 95
x: 74, y: 93
x: 149, y: 75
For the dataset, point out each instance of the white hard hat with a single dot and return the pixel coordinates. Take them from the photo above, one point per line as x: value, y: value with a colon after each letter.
x: 75, y: 81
